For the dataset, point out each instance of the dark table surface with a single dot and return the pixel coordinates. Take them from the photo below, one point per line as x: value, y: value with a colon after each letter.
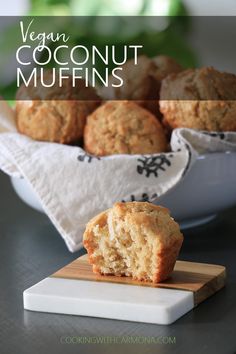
x: 31, y: 249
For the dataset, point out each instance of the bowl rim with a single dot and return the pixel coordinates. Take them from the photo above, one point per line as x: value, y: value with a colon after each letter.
x: 216, y: 153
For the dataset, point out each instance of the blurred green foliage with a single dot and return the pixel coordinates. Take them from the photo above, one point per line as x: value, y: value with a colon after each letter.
x: 169, y: 40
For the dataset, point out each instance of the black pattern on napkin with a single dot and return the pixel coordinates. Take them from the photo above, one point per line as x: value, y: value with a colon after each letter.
x: 87, y: 157
x: 153, y: 164
x: 144, y: 198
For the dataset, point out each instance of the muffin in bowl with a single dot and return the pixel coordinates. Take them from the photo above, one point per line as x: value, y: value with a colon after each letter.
x: 54, y: 114
x: 202, y: 99
x: 123, y: 127
x: 142, y: 82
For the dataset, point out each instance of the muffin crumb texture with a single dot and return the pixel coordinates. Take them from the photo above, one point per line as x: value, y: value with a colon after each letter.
x: 134, y: 239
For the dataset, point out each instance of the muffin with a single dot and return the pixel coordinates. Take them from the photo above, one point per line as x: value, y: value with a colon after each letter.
x: 55, y: 114
x: 142, y: 82
x: 202, y: 99
x: 165, y: 66
x: 123, y: 127
x: 134, y: 239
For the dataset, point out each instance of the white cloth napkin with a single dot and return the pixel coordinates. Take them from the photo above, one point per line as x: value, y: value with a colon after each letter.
x: 73, y: 186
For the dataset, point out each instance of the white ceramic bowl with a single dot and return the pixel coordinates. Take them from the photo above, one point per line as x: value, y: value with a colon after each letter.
x: 208, y: 188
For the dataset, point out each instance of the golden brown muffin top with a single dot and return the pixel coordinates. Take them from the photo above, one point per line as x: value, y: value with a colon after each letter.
x: 66, y: 92
x: 123, y: 127
x: 54, y: 114
x: 165, y: 66
x: 142, y: 81
x: 152, y: 220
x: 199, y: 84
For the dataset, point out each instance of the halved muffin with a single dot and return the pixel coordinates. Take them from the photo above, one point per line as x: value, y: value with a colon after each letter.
x: 136, y: 239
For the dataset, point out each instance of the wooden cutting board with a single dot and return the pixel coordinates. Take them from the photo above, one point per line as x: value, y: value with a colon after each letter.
x: 76, y: 290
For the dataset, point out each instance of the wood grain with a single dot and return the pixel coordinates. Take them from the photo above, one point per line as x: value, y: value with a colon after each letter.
x: 200, y: 278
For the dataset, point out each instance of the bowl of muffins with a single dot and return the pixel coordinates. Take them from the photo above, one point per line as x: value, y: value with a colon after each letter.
x: 138, y: 118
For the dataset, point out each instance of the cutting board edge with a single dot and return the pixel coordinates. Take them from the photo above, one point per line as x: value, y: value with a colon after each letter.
x: 216, y: 278
x: 210, y: 288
